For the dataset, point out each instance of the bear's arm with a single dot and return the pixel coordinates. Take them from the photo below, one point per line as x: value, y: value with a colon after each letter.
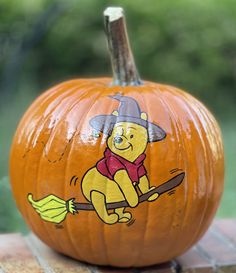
x: 141, y: 171
x: 144, y: 184
x: 125, y: 184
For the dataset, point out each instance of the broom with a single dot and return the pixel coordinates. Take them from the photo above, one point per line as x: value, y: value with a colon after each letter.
x: 54, y: 209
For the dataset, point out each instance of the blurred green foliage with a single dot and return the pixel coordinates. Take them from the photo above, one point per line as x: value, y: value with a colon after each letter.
x: 11, y: 219
x: 187, y: 43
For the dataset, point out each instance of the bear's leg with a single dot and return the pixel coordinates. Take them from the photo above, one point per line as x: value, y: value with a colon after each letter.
x: 145, y: 187
x: 123, y: 216
x: 99, y: 202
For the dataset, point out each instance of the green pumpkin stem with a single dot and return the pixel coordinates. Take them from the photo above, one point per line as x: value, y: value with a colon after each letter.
x: 123, y: 65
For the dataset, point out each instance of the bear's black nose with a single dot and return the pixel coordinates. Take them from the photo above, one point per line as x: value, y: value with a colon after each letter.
x: 118, y: 139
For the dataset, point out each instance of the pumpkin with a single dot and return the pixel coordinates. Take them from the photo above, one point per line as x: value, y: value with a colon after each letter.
x: 121, y: 173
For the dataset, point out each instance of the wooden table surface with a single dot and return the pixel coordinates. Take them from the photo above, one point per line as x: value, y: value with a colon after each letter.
x: 215, y: 253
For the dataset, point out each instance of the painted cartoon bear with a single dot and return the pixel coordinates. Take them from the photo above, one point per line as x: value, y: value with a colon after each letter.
x: 117, y: 175
x: 116, y: 179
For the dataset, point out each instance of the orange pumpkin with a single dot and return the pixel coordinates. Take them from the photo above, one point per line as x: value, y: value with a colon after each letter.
x: 142, y: 164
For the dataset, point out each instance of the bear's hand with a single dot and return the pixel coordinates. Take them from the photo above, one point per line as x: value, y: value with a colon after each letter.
x: 154, y: 196
x: 122, y: 179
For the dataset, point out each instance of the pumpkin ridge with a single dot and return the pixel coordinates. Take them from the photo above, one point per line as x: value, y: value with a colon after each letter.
x: 144, y: 230
x: 209, y: 183
x: 82, y: 95
x: 44, y: 102
x: 51, y: 238
x: 199, y: 128
x: 83, y: 117
x: 177, y: 132
x: 46, y: 118
x: 72, y: 102
x: 26, y: 164
x: 211, y: 187
x: 44, y: 98
x: 27, y: 207
x: 65, y: 96
x: 68, y: 93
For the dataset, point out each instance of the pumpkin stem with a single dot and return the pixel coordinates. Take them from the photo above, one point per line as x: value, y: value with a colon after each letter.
x: 123, y: 65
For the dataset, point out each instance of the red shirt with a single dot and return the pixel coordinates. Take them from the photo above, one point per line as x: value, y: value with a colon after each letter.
x: 111, y: 163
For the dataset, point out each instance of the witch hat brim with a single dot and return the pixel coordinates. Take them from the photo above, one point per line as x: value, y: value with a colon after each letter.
x: 129, y: 111
x: 105, y: 124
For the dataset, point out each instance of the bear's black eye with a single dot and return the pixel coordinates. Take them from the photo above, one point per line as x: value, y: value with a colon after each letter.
x: 131, y: 136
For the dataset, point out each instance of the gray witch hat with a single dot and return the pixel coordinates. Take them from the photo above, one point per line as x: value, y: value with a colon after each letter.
x: 128, y: 111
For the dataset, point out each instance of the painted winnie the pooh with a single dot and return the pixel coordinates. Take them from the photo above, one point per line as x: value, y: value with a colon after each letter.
x: 115, y: 177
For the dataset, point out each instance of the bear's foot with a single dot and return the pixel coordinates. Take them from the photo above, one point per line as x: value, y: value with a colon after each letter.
x: 110, y: 218
x: 124, y: 217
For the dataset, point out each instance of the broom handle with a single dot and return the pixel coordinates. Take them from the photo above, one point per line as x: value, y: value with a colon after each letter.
x: 170, y: 184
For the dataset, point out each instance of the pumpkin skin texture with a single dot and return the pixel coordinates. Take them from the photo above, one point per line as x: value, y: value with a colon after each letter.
x: 54, y: 142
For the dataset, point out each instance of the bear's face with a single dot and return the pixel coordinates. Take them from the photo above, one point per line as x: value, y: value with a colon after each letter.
x: 128, y: 140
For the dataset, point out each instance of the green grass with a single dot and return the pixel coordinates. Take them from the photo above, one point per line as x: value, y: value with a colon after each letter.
x: 11, y: 219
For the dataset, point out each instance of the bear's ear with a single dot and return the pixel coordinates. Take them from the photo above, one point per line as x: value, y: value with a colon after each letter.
x: 115, y: 113
x: 144, y: 115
